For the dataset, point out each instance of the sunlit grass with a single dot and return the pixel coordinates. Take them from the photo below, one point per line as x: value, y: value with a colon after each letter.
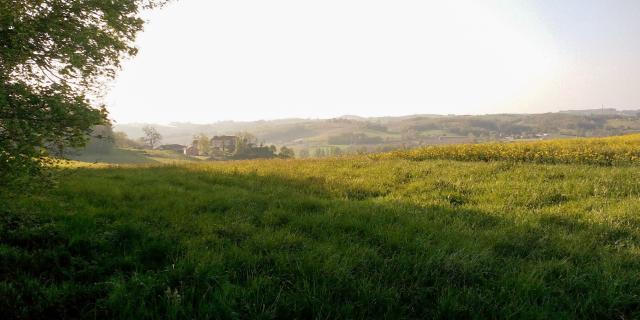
x: 348, y: 237
x: 133, y: 156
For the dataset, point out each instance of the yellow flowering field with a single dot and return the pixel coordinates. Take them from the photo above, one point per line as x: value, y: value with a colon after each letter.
x: 619, y: 150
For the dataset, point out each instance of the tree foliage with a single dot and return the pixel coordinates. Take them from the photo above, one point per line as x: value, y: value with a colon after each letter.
x: 151, y: 136
x: 245, y: 141
x: 286, y: 152
x: 54, y: 56
x: 121, y: 140
x: 204, y: 143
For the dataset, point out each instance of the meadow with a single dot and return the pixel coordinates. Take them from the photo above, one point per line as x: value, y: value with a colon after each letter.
x: 383, y: 236
x: 131, y: 156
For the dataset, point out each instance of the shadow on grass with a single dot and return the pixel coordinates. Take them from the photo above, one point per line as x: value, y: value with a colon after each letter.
x: 168, y: 242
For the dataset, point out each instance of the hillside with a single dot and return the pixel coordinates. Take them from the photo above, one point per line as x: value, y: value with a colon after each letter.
x: 348, y: 237
x: 352, y: 133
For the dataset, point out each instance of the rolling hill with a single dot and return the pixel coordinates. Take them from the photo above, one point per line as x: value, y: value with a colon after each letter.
x: 385, y: 133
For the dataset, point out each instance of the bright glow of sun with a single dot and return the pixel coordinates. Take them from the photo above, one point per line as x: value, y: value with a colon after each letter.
x: 203, y: 61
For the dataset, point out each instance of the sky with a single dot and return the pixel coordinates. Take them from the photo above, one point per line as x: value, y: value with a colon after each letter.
x: 206, y: 61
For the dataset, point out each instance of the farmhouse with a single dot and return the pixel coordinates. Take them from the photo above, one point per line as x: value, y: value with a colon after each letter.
x: 192, y: 150
x: 224, y: 143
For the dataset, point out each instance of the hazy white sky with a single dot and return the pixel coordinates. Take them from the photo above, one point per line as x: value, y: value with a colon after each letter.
x: 203, y: 61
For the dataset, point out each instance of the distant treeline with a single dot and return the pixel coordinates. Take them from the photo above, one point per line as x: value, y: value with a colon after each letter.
x: 527, y: 125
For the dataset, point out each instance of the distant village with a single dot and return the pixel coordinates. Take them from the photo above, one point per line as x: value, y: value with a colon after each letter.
x: 228, y: 147
x: 354, y: 135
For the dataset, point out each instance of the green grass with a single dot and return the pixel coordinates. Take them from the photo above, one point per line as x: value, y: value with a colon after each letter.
x: 116, y: 156
x: 132, y: 156
x: 332, y: 238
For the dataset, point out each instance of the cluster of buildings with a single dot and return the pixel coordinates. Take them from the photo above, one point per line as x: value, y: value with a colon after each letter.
x: 217, y: 144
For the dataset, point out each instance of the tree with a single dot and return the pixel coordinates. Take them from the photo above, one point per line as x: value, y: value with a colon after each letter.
x: 204, y: 143
x: 304, y: 153
x: 151, y: 136
x: 286, y: 152
x: 244, y: 142
x: 121, y: 140
x: 54, y: 56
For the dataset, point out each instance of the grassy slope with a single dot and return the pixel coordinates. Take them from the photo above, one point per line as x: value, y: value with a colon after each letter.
x: 116, y: 156
x: 132, y: 156
x: 328, y: 238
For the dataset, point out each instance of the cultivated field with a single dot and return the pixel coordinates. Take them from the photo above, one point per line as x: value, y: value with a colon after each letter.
x: 352, y: 237
x: 621, y: 150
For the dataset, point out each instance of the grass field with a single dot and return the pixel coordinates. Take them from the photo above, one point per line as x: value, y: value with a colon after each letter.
x: 350, y: 237
x: 133, y: 156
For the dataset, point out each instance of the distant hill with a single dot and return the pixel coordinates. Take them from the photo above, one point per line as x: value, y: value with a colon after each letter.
x: 601, y: 111
x: 375, y: 133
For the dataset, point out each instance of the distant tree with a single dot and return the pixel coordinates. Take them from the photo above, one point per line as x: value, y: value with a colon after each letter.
x: 203, y: 143
x: 121, y: 140
x: 151, y: 136
x: 244, y: 142
x: 286, y: 152
x: 304, y: 153
x: 319, y: 153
